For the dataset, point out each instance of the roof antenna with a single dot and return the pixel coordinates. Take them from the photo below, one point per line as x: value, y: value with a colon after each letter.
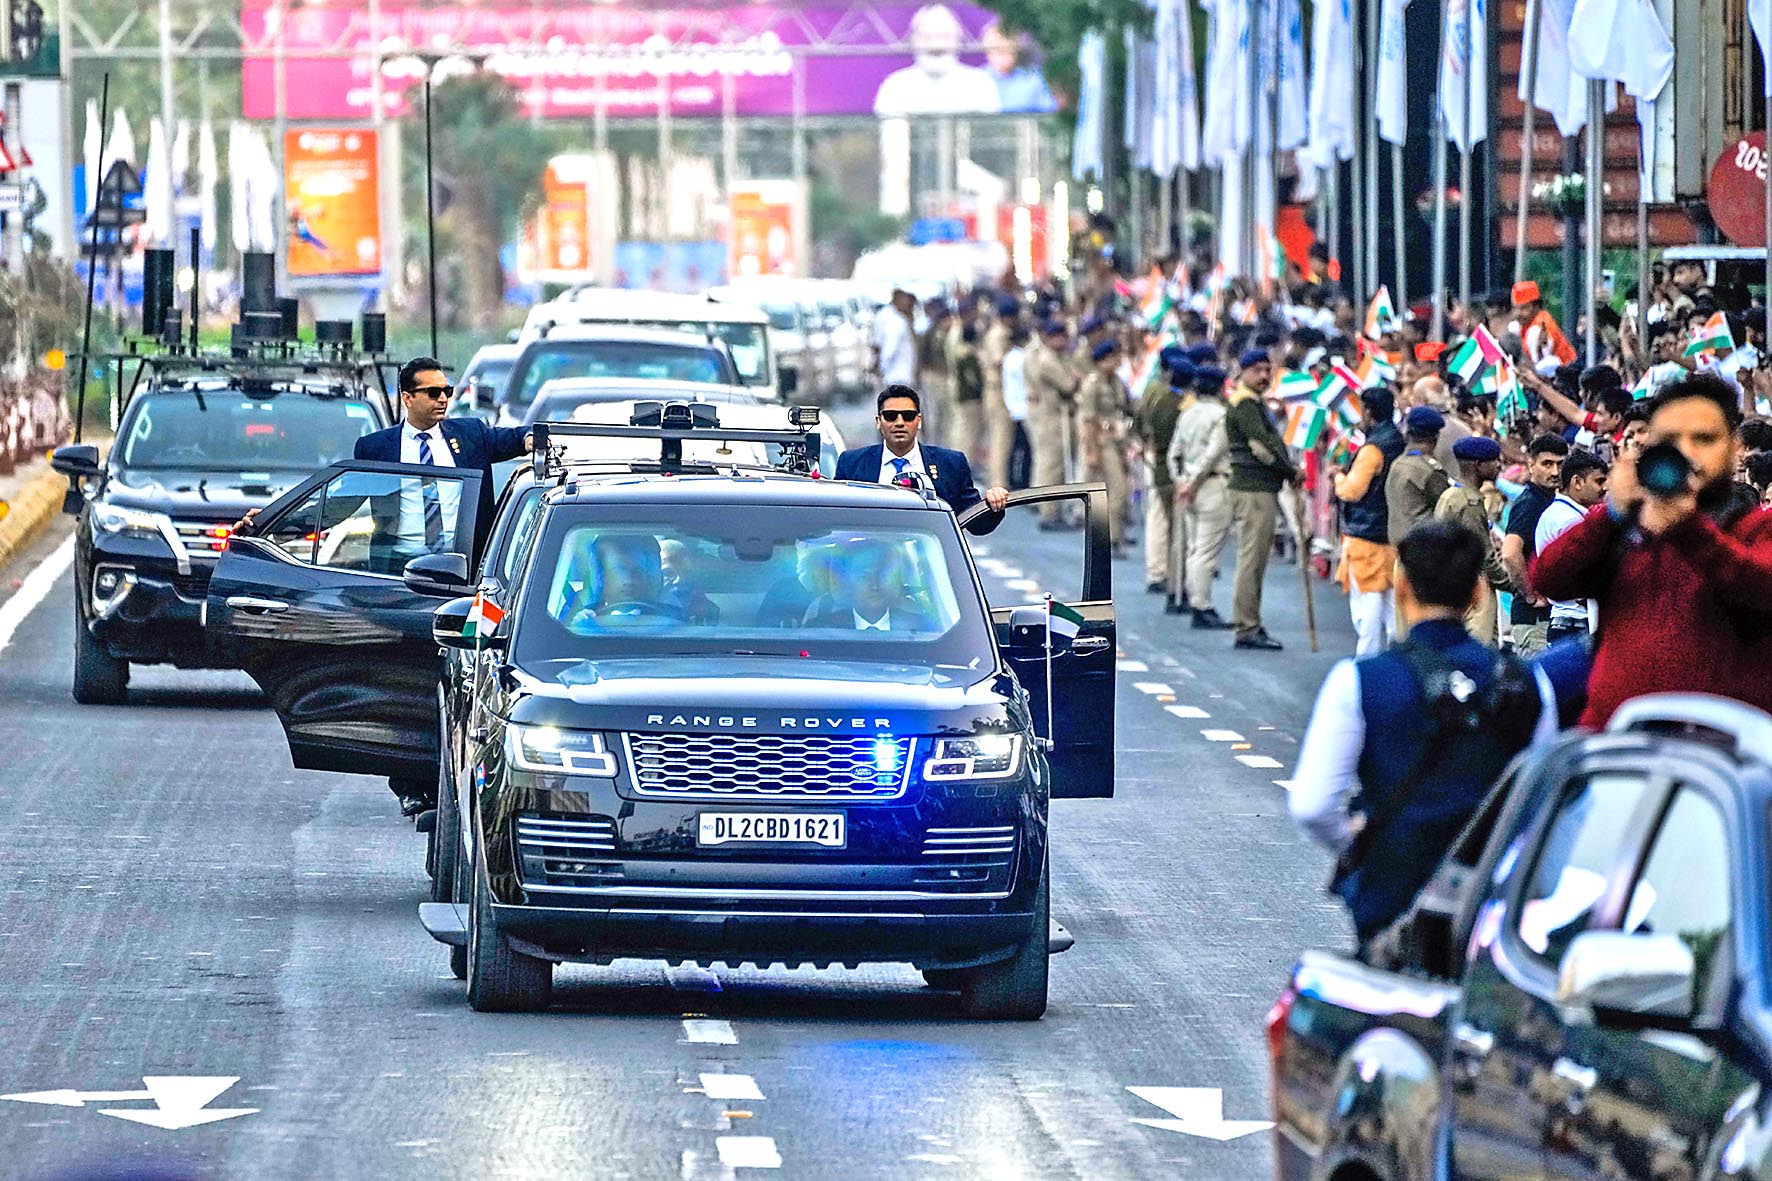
x: 104, y: 116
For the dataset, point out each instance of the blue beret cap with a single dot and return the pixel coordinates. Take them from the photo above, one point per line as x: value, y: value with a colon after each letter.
x: 1092, y: 324
x: 1476, y: 448
x: 1252, y: 357
x: 1053, y: 327
x: 1424, y: 419
x: 1008, y: 305
x: 1105, y: 348
x: 1181, y: 374
x: 1209, y: 377
x: 1172, y: 356
x: 1202, y: 353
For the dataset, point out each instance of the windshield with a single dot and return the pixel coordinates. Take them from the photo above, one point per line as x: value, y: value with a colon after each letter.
x: 766, y: 581
x: 223, y: 430
x: 834, y: 316
x: 784, y: 317
x: 548, y: 361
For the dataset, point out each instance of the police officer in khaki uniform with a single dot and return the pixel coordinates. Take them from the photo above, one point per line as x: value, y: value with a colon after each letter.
x: 962, y: 429
x: 1153, y: 424
x: 991, y: 350
x: 1101, y: 411
x: 1052, y: 397
x: 1479, y: 463
x: 1200, y: 464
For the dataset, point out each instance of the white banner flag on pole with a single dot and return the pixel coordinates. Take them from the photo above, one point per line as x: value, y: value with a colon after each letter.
x: 1393, y: 73
x: 1464, y: 75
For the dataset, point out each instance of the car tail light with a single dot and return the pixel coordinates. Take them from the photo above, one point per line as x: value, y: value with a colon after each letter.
x: 1277, y: 1017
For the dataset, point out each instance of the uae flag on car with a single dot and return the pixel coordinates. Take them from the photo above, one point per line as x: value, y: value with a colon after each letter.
x: 1062, y: 619
x: 1714, y: 337
x: 483, y: 619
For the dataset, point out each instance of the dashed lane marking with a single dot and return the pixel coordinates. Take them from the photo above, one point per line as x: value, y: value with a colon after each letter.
x: 1284, y: 784
x: 1152, y: 687
x: 703, y: 1031
x: 1260, y: 762
x: 1133, y: 666
x: 1221, y: 736
x: 1024, y: 585
x: 748, y: 1152
x: 33, y: 590
x: 730, y: 1086
x: 1187, y: 711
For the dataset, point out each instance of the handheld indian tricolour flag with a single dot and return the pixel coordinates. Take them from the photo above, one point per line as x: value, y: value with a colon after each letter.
x: 1375, y: 371
x: 1644, y: 388
x: 1305, y: 423
x: 1714, y: 337
x: 1381, y: 315
x: 1293, y: 386
x: 1157, y: 300
x: 483, y: 619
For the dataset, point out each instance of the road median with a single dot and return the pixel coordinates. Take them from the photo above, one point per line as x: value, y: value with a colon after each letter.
x: 31, y: 503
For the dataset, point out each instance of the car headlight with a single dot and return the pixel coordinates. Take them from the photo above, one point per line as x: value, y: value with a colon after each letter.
x: 563, y: 752
x: 115, y: 518
x: 986, y: 756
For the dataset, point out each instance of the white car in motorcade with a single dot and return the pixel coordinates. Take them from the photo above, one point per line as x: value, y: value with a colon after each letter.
x: 743, y: 326
x: 615, y: 351
x: 476, y: 391
x: 796, y: 323
x: 849, y: 314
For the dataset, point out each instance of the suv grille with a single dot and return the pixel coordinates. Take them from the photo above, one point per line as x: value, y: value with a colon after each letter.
x: 778, y: 766
x: 199, y: 538
x: 556, y: 851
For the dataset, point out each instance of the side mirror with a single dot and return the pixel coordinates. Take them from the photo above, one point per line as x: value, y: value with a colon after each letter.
x: 449, y: 627
x: 76, y: 461
x: 788, y: 379
x: 1629, y: 978
x: 1028, y: 631
x: 441, y: 575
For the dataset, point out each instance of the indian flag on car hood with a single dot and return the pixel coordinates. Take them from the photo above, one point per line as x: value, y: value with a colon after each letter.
x: 1063, y: 619
x: 1714, y: 337
x: 483, y: 619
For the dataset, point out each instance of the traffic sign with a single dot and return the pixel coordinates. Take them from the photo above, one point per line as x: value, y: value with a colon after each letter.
x: 1737, y: 190
x: 12, y: 198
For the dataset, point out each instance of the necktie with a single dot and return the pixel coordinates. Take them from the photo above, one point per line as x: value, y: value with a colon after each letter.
x: 433, y: 501
x: 898, y: 466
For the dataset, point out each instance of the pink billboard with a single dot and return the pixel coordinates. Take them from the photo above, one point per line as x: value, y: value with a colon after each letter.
x: 886, y: 59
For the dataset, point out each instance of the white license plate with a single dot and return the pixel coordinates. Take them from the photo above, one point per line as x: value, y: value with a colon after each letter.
x: 773, y: 828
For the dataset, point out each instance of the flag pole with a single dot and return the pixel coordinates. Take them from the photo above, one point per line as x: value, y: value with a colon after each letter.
x: 1304, y: 560
x: 1371, y: 74
x: 1397, y: 226
x: 1645, y: 186
x: 1523, y: 204
x: 1051, y: 718
x: 1464, y: 161
x: 1439, y: 262
x: 1596, y: 136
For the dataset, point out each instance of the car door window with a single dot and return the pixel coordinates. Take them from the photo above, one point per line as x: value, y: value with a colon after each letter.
x: 1684, y: 887
x: 374, y: 522
x: 1575, y: 861
x: 522, y: 542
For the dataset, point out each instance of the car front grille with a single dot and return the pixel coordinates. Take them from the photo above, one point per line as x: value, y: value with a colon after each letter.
x: 769, y: 766
x: 199, y: 537
x: 565, y: 851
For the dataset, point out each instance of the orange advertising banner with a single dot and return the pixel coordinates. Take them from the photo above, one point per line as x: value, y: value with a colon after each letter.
x: 566, y: 216
x: 332, y: 192
x: 764, y: 233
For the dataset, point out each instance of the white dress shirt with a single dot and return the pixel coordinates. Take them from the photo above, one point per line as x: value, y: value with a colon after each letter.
x: 1558, y: 518
x: 913, y: 458
x: 897, y: 343
x: 412, y: 503
x: 882, y: 624
x: 1328, y: 775
x: 1015, y: 384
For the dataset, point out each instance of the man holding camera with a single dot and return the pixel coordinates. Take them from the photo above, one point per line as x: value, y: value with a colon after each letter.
x: 1680, y: 565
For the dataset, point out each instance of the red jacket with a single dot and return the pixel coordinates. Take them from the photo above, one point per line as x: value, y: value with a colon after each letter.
x: 1689, y: 611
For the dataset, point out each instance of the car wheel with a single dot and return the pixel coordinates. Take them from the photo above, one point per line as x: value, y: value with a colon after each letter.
x: 500, y: 978
x: 99, y: 677
x: 445, y: 837
x: 1013, y: 989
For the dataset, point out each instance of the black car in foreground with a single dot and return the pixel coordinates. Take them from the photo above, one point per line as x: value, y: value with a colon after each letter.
x: 1585, y: 994
x: 715, y: 714
x: 196, y: 447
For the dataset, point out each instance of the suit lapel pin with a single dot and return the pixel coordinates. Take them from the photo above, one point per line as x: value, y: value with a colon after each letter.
x: 455, y: 446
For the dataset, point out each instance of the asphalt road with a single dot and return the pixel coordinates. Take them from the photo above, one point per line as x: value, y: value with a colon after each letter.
x: 175, y: 900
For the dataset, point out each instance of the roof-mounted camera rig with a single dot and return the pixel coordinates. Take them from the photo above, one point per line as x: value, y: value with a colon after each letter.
x: 670, y: 424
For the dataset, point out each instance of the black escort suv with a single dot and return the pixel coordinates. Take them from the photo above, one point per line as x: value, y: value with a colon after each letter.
x: 694, y: 713
x: 196, y: 447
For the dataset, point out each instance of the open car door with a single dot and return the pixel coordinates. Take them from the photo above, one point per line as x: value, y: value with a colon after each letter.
x: 1082, y: 723
x: 312, y: 605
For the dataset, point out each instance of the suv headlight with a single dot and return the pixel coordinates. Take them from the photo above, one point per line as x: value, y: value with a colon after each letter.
x: 114, y: 518
x: 987, y: 756
x: 562, y: 752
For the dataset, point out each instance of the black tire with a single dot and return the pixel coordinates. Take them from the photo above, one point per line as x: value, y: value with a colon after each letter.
x: 500, y: 978
x: 445, y: 838
x: 1014, y: 989
x: 99, y: 677
x: 944, y: 979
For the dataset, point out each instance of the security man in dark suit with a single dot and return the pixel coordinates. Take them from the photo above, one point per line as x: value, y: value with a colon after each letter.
x: 899, y: 459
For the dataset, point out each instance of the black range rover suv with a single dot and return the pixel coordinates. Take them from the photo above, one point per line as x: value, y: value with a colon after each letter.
x: 716, y: 715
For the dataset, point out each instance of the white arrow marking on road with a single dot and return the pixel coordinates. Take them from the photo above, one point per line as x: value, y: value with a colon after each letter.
x: 1199, y: 1111
x: 178, y: 1102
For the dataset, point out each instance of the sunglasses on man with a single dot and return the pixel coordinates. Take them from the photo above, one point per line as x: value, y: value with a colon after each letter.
x: 443, y: 392
x: 899, y: 415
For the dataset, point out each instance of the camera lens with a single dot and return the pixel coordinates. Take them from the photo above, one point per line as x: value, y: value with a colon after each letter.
x: 1663, y: 470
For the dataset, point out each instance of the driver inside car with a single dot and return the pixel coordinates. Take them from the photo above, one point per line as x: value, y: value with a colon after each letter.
x: 617, y: 577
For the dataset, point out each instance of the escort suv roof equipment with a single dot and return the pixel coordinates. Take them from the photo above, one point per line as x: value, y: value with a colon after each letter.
x: 673, y: 423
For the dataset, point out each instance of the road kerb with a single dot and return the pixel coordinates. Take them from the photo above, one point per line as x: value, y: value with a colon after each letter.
x: 29, y: 511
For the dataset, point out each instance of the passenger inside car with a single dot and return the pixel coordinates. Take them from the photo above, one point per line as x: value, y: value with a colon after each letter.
x: 869, y: 592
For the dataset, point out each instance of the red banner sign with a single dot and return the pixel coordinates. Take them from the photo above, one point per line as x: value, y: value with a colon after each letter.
x: 1737, y: 191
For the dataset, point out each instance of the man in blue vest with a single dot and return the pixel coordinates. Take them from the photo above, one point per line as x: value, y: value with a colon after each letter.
x: 1368, y: 559
x: 1403, y: 746
x: 899, y: 459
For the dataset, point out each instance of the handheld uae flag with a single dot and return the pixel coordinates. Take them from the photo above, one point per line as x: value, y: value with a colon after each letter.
x: 1479, y: 351
x: 1304, y: 425
x: 483, y: 618
x: 1381, y: 315
x: 1293, y: 386
x: 1714, y: 337
x: 1062, y: 619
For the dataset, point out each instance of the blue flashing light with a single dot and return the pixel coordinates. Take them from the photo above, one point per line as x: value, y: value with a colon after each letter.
x: 886, y: 757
